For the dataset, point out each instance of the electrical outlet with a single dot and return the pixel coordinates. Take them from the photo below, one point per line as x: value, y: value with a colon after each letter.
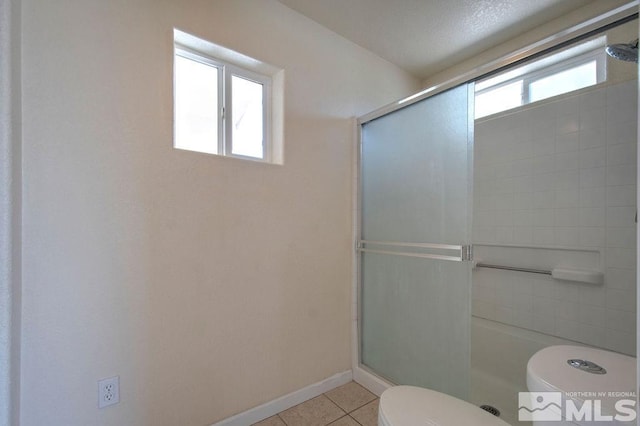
x: 108, y: 391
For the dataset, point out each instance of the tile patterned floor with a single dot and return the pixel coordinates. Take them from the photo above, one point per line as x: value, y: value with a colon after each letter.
x: 347, y: 405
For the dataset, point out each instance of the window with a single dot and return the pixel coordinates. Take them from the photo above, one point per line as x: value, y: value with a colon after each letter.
x: 223, y: 108
x: 572, y: 69
x: 198, y: 103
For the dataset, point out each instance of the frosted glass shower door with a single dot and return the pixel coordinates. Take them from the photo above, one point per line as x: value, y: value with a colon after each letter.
x: 415, y: 285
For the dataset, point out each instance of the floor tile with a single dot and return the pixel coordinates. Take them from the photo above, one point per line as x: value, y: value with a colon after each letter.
x: 350, y: 396
x: 367, y: 415
x: 319, y: 411
x: 345, y: 421
x: 271, y: 421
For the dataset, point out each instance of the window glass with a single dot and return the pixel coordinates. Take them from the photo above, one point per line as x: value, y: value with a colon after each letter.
x: 499, y: 99
x: 247, y: 117
x: 574, y: 68
x: 196, y: 105
x: 563, y: 82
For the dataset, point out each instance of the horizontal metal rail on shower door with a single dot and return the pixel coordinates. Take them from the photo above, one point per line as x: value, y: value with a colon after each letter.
x: 420, y: 250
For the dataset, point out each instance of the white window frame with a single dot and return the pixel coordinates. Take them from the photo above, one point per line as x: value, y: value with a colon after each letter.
x: 599, y: 55
x: 229, y: 72
x: 226, y: 71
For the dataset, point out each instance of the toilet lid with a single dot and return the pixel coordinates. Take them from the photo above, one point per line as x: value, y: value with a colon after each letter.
x: 548, y: 371
x: 549, y: 366
x: 410, y: 406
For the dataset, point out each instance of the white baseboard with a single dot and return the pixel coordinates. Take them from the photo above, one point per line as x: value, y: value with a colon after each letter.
x: 272, y: 408
x: 370, y: 381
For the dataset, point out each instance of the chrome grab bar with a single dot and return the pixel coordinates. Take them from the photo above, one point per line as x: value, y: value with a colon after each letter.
x: 513, y: 268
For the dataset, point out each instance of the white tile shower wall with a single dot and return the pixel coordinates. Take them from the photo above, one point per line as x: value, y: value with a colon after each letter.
x: 561, y: 174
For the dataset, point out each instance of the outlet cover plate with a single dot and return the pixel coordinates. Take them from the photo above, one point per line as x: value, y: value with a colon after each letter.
x: 108, y: 391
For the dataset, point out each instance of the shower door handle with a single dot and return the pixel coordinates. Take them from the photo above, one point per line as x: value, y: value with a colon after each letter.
x: 452, y: 252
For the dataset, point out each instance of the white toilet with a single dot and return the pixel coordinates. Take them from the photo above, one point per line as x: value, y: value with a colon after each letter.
x: 581, y: 374
x: 413, y: 406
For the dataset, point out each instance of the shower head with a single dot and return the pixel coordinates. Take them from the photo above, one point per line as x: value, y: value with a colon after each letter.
x: 624, y: 51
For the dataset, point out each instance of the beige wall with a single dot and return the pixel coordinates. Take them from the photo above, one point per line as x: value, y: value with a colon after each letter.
x: 210, y: 285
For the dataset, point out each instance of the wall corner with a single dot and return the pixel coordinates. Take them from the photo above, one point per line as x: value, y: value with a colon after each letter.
x: 10, y: 210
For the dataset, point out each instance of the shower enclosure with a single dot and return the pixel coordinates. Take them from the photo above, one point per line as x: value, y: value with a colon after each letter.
x: 415, y: 192
x: 547, y: 185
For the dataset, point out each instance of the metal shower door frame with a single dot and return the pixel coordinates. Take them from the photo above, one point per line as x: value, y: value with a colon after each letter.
x: 612, y: 18
x: 462, y: 252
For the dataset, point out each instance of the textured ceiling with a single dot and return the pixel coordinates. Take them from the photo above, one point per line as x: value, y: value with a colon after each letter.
x: 428, y: 36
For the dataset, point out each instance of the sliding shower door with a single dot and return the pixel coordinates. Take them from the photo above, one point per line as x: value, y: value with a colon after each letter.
x: 415, y: 285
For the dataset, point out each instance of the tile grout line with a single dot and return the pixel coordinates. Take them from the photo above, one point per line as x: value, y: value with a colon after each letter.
x: 346, y: 415
x: 366, y: 403
x: 344, y: 411
x: 339, y: 418
x: 357, y: 408
x: 303, y: 402
x: 354, y: 419
x: 336, y: 404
